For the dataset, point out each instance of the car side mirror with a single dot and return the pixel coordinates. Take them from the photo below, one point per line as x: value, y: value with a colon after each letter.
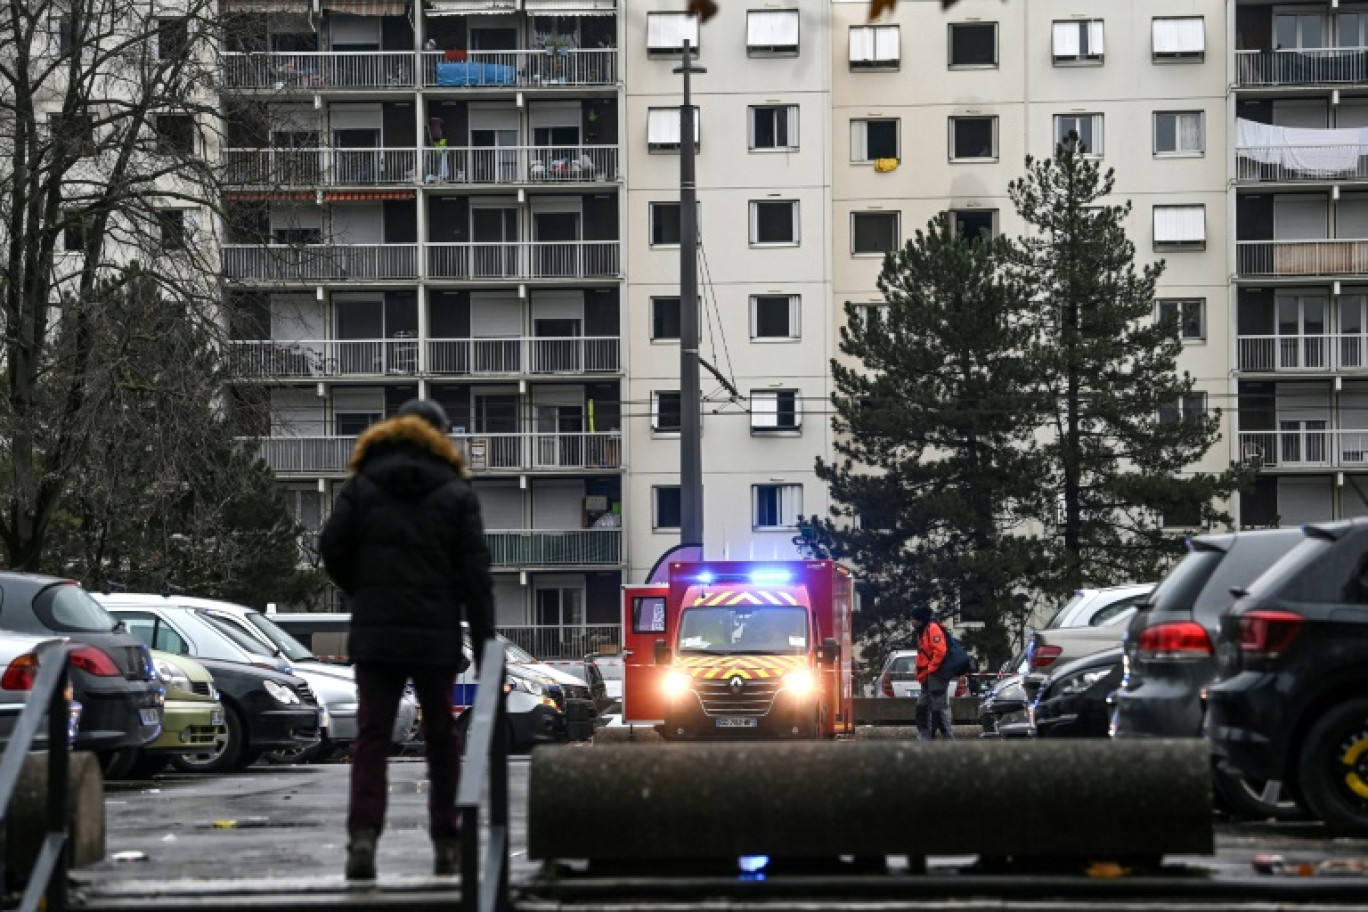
x: 662, y: 652
x: 829, y: 651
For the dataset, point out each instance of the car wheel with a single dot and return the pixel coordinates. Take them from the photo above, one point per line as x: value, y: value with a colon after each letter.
x: 463, y: 732
x: 224, y: 755
x: 1255, y: 799
x: 148, y: 765
x: 117, y: 764
x: 311, y: 754
x: 1333, y: 766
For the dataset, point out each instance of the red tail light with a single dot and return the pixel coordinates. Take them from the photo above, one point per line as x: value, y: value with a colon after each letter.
x: 1044, y: 656
x: 94, y: 661
x: 21, y: 672
x: 1179, y: 640
x: 1267, y: 634
x: 887, y: 685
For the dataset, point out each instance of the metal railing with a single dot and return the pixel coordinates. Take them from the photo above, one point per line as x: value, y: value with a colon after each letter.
x: 539, y: 548
x: 323, y: 357
x: 47, y: 882
x: 525, y: 354
x: 509, y: 452
x: 1330, y: 351
x: 1301, y: 258
x: 1302, y: 66
x: 287, y: 262
x: 320, y: 167
x: 565, y: 642
x: 519, y: 164
x: 555, y: 66
x: 313, y: 358
x: 485, y: 758
x: 313, y: 70
x: 1301, y: 162
x: 524, y: 260
x: 1306, y: 447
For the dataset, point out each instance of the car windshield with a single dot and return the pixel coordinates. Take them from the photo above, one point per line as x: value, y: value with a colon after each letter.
x: 899, y: 664
x: 240, y: 637
x: 1178, y: 590
x: 1058, y: 617
x: 515, y: 652
x: 68, y: 607
x: 724, y: 631
x: 294, y: 650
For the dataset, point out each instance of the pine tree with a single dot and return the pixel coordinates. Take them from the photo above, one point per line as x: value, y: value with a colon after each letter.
x: 1123, y: 426
x: 934, y: 421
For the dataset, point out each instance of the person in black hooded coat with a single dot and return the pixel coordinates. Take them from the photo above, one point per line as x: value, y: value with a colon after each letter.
x: 405, y: 542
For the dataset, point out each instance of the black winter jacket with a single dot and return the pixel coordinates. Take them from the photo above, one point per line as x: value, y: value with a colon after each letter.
x: 405, y: 542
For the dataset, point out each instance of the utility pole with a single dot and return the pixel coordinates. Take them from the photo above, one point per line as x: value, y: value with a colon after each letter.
x: 690, y: 397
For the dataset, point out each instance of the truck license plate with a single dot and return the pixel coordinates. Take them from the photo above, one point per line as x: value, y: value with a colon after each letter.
x: 148, y: 716
x: 215, y: 717
x: 736, y: 722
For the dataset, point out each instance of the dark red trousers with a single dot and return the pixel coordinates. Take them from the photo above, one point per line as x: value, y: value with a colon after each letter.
x: 379, y: 689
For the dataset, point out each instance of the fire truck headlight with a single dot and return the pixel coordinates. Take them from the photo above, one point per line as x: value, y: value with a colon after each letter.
x: 800, y: 683
x: 677, y: 683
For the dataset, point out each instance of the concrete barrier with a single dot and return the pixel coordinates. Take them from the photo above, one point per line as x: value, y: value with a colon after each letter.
x: 685, y: 802
x: 26, y: 822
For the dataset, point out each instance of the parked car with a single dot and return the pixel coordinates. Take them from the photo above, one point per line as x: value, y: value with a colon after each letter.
x: 1091, y: 607
x: 120, y: 695
x: 1291, y: 703
x: 193, y: 716
x: 899, y: 677
x: 1003, y: 711
x: 21, y: 655
x: 1073, y: 701
x: 1170, y: 658
x: 1051, y: 648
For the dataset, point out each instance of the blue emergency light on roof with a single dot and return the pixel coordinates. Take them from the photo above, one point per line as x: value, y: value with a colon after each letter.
x: 752, y: 864
x: 705, y: 577
x: 770, y: 577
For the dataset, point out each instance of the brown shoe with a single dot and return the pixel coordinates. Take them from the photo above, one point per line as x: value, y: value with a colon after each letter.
x: 446, y: 856
x: 361, y: 855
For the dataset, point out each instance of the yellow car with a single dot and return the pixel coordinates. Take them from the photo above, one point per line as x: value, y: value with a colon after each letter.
x: 193, y: 716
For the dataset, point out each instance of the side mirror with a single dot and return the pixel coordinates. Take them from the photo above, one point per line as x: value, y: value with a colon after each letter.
x: 829, y: 651
x: 662, y: 652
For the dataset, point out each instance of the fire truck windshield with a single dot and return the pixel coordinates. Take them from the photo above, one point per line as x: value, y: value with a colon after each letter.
x: 754, y: 631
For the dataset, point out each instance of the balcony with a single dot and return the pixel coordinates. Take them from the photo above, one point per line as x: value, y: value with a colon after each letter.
x: 1291, y: 354
x: 312, y: 71
x: 518, y: 260
x: 371, y: 358
x: 1301, y: 258
x: 513, y: 453
x: 514, y: 355
x: 320, y: 167
x: 562, y: 66
x: 570, y: 548
x: 1301, y: 67
x: 565, y: 642
x: 285, y: 263
x: 520, y: 164
x: 316, y: 358
x: 1306, y: 448
x: 1294, y: 163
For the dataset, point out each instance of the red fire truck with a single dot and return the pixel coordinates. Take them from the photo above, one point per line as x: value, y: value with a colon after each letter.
x: 740, y: 649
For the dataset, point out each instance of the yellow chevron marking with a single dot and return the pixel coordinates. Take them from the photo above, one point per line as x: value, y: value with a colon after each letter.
x: 770, y: 597
x: 698, y: 600
x: 717, y: 599
x: 788, y: 598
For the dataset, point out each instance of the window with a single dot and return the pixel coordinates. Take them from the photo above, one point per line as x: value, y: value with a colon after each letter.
x: 774, y: 127
x: 664, y: 224
x: 173, y: 228
x: 73, y: 234
x: 874, y: 232
x: 871, y: 140
x: 973, y: 138
x: 175, y: 134
x: 1180, y: 227
x: 1179, y: 133
x: 774, y: 316
x: 866, y: 316
x: 771, y: 32
x: 775, y: 410
x: 874, y: 47
x: 663, y: 126
x: 353, y: 424
x: 973, y: 44
x: 776, y: 506
x: 1188, y: 316
x: 665, y: 412
x: 1179, y: 39
x: 666, y: 33
x: 1078, y: 41
x: 173, y: 38
x: 974, y: 224
x: 60, y: 35
x: 74, y: 134
x: 665, y: 503
x: 1088, y: 128
x: 774, y: 222
x: 648, y: 614
x: 664, y: 319
x: 1186, y: 407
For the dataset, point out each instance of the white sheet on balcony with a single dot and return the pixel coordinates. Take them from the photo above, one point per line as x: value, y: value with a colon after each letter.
x: 1301, y: 149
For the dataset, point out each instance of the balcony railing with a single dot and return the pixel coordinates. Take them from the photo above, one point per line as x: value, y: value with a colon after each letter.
x: 1306, y: 66
x: 1301, y: 258
x: 515, y: 355
x: 314, y: 70
x: 1306, y: 448
x: 320, y: 167
x: 1302, y: 162
x: 514, y: 452
x: 324, y: 357
x: 517, y: 260
x: 520, y: 164
x: 536, y: 548
x: 284, y: 262
x: 1331, y: 351
x: 522, y: 69
x: 570, y: 641
x: 312, y: 358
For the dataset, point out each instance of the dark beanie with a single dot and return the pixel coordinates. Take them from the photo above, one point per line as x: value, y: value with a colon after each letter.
x: 429, y: 411
x: 921, y: 614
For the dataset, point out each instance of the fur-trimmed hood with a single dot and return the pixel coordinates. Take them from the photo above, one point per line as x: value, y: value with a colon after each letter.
x: 408, y: 429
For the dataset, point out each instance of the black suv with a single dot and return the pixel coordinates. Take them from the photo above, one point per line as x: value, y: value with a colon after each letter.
x: 1292, y: 700
x: 1170, y: 657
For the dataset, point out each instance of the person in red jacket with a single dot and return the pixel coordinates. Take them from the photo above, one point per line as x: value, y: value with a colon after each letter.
x: 933, y: 703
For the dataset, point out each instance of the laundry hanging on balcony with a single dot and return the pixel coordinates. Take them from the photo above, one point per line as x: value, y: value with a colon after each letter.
x: 1302, y: 149
x: 297, y: 7
x: 366, y: 7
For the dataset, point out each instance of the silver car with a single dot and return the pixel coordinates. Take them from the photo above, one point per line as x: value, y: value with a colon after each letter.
x: 21, y: 654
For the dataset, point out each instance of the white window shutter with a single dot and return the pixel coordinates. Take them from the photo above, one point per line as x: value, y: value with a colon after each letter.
x: 662, y: 126
x: 859, y: 140
x: 790, y: 504
x: 861, y: 44
x: 795, y: 310
x: 655, y: 411
x: 792, y: 114
x: 764, y: 409
x: 797, y: 400
x: 1191, y: 36
x: 1095, y: 45
x: 1179, y: 224
x: 772, y: 29
x: 886, y: 43
x: 667, y: 31
x: 1066, y: 42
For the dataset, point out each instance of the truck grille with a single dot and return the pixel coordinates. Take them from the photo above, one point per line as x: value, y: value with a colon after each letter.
x: 753, y: 699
